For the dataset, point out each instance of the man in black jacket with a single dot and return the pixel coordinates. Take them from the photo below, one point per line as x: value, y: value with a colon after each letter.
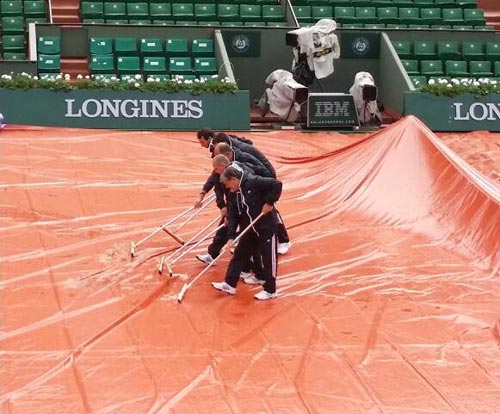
x: 249, y: 196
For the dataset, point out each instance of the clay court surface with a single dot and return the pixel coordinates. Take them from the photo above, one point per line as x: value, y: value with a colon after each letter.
x: 389, y: 299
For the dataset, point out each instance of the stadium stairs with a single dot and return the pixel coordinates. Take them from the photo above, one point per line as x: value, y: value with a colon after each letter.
x: 491, y: 12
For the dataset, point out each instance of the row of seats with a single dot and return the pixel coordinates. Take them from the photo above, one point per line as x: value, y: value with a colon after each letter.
x: 32, y: 8
x: 454, y: 68
x: 399, y: 26
x: 392, y: 15
x: 182, y: 11
x: 385, y: 3
x: 18, y: 24
x: 448, y: 50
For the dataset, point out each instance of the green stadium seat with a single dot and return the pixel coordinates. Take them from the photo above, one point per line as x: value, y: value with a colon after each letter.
x: 492, y: 50
x: 154, y: 64
x: 35, y: 20
x: 473, y: 50
x: 206, y: 65
x: 115, y: 10
x: 485, y: 28
x: 128, y: 64
x: 418, y: 26
x: 411, y: 66
x: 100, y: 46
x: 13, y: 43
x: 456, y: 68
x: 12, y: 25
x: 366, y: 14
x: 418, y: 81
x: 445, y: 3
x: 137, y: 10
x: 116, y: 21
x: 102, y: 64
x: 403, y: 3
x: 303, y: 13
x: 202, y: 47
x: 93, y: 21
x: 11, y: 8
x: 168, y: 22
x: 344, y: 14
x: 276, y: 24
x: 126, y: 46
x: 462, y: 27
x: 431, y: 68
x: 441, y: 26
x: 430, y: 16
x: 231, y: 24
x: 228, y: 12
x: 14, y: 56
x: 453, y: 16
x: 208, y: 23
x: 275, y: 13
x: 340, y: 3
x: 388, y: 15
x: 140, y: 22
x: 352, y: 25
x: 361, y: 3
x: 176, y: 47
x: 424, y: 49
x: 183, y: 11
x: 424, y: 3
x: 496, y: 71
x: 92, y: 10
x: 205, y: 11
x: 480, y: 69
x: 49, y: 45
x: 250, y: 12
x: 467, y: 3
x: 448, y: 50
x: 381, y: 3
x: 180, y: 65
x: 160, y: 11
x: 35, y: 8
x: 321, y: 12
x: 317, y: 2
x: 474, y: 17
x: 49, y: 63
x: 186, y: 23
x: 374, y: 26
x: 409, y: 15
x: 398, y: 26
x: 254, y: 24
x: 151, y: 47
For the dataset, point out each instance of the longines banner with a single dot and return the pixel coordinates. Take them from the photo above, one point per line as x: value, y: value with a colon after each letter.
x: 459, y: 113
x: 126, y: 109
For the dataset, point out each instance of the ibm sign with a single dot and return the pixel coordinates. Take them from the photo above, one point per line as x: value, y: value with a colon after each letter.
x: 331, y: 110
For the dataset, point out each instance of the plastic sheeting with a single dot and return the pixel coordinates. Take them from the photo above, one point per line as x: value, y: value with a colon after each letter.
x: 389, y: 298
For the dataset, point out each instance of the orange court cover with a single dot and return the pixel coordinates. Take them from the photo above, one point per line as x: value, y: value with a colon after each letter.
x: 389, y: 299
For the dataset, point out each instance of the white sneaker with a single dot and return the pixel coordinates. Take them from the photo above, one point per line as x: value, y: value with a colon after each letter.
x: 205, y: 258
x: 244, y: 275
x: 284, y: 247
x: 252, y: 280
x: 224, y: 287
x: 265, y: 295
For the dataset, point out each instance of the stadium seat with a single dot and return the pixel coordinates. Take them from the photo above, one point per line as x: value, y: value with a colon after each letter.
x: 116, y: 21
x: 137, y: 10
x: 377, y: 26
x: 403, y: 3
x: 388, y: 15
x: 456, y: 68
x: 11, y: 8
x: 49, y: 63
x: 317, y: 2
x: 128, y: 64
x: 424, y: 3
x: 231, y: 24
x: 35, y: 20
x: 411, y: 66
x: 474, y: 17
x: 183, y: 11
x: 176, y: 47
x: 94, y: 21
x: 277, y: 24
x: 12, y: 25
x: 13, y: 43
x: 102, y: 64
x: 497, y: 69
x: 352, y: 25
x: 366, y: 14
x: 151, y: 47
x: 418, y: 26
x: 472, y: 50
x: 448, y: 50
x: 160, y: 11
x: 114, y: 10
x: 228, y: 12
x: 100, y: 46
x: 485, y: 28
x: 453, y: 16
x: 321, y: 12
x: 35, y: 9
x: 205, y: 11
x: 168, y: 22
x: 275, y: 13
x: 205, y: 65
x: 250, y: 12
x: 381, y: 3
x: 424, y: 49
x: 154, y: 65
x: 480, y: 69
x: 140, y: 22
x: 344, y: 14
x: 126, y: 46
x: 208, y: 23
x: 431, y: 68
x: 493, y: 50
x: 180, y: 65
x: 409, y: 15
x: 430, y: 16
x: 462, y: 27
x: 418, y: 81
x: 303, y: 13
x: 254, y: 24
x: 360, y: 3
x: 398, y: 26
x: 445, y: 3
x: 441, y: 26
x: 92, y: 10
x: 49, y: 45
x: 186, y: 23
x: 202, y: 47
x: 467, y: 3
x: 14, y: 56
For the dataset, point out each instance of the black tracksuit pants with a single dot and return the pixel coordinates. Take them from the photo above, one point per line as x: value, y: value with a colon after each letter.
x: 265, y: 246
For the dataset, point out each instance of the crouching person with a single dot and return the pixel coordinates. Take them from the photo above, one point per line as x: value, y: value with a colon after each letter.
x: 249, y: 196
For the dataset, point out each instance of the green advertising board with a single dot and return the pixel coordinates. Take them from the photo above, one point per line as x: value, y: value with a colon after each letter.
x: 331, y: 110
x: 240, y: 43
x: 459, y: 113
x: 360, y: 45
x: 126, y: 109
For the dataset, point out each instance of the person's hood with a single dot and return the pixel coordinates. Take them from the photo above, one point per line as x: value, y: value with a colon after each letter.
x: 325, y: 26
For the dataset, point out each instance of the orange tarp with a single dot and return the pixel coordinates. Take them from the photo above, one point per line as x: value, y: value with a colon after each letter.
x: 389, y: 299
